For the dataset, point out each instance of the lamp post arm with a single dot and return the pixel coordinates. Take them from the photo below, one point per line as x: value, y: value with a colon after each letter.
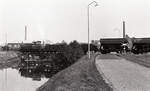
x: 92, y: 3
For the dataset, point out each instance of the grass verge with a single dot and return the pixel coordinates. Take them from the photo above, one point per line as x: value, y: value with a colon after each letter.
x: 81, y: 76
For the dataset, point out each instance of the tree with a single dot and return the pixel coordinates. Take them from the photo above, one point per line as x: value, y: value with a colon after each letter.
x: 69, y: 54
x: 76, y: 50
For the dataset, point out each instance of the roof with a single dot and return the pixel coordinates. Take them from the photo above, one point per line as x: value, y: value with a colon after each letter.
x: 13, y: 43
x: 113, y: 40
x: 141, y: 40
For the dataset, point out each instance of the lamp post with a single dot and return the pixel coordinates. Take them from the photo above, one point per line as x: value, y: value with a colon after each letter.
x: 88, y: 11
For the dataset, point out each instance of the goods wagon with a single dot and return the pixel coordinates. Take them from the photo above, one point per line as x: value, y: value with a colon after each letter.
x: 30, y: 47
x: 140, y: 45
x: 113, y: 45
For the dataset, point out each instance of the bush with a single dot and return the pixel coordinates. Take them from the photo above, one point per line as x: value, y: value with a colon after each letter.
x: 69, y: 55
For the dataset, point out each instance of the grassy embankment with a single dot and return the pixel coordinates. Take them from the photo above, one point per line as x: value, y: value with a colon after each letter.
x: 81, y: 76
x: 8, y: 59
x: 142, y: 59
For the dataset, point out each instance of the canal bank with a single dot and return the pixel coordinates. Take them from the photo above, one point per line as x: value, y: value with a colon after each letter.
x: 81, y: 76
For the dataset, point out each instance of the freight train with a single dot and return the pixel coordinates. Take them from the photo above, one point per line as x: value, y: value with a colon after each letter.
x: 107, y: 45
x: 120, y: 45
x: 33, y: 48
x: 36, y: 47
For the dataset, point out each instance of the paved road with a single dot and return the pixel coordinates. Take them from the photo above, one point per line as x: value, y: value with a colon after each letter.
x: 123, y: 74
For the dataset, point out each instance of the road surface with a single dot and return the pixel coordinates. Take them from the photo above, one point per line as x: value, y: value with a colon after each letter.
x: 123, y: 74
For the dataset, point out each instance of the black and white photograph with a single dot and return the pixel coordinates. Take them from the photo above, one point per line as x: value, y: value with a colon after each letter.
x: 74, y: 45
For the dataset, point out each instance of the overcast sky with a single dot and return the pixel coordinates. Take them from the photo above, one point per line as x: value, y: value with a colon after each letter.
x: 58, y: 20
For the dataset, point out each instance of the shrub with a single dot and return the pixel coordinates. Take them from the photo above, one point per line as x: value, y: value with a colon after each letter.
x: 69, y: 55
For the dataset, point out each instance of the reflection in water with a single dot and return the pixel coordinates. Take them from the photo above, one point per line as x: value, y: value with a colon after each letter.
x: 28, y: 75
x: 15, y: 82
x: 37, y: 69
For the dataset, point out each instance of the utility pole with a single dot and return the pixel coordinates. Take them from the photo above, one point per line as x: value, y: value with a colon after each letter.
x: 124, y: 34
x: 6, y: 43
x: 25, y: 32
x: 6, y: 38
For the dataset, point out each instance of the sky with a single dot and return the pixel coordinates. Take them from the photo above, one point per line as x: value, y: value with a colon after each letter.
x: 58, y: 20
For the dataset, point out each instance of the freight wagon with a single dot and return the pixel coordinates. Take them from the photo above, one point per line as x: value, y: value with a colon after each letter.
x: 119, y: 45
x: 113, y: 45
x: 140, y: 45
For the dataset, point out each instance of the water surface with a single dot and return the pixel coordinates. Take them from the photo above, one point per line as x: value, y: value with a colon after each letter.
x: 11, y: 80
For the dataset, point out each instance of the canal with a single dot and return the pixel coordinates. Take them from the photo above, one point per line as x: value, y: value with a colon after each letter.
x: 16, y: 80
x: 27, y: 74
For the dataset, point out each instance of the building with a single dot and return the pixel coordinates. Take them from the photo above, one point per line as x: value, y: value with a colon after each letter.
x: 13, y: 46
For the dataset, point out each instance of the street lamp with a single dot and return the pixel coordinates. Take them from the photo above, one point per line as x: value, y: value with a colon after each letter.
x: 88, y: 9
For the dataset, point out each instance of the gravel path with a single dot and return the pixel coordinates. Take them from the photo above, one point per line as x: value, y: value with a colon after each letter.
x: 123, y: 74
